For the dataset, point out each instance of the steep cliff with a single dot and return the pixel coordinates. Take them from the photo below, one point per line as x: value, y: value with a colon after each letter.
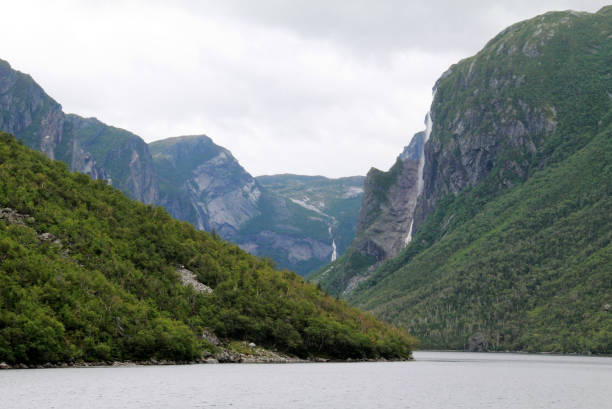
x: 85, y: 144
x: 385, y: 218
x: 384, y: 226
x: 204, y: 184
x: 511, y: 233
x: 200, y: 182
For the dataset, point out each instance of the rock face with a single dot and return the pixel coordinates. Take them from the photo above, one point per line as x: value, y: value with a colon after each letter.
x: 336, y: 201
x: 85, y: 144
x: 516, y: 166
x: 388, y: 204
x: 385, y: 221
x: 499, y: 135
x: 476, y: 343
x: 28, y: 112
x: 188, y: 278
x: 11, y: 216
x: 203, y: 183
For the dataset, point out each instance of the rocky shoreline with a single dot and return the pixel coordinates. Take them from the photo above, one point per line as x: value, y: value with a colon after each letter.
x: 234, y: 353
x: 240, y: 359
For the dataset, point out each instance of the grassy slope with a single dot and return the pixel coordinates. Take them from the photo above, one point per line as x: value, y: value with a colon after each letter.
x: 172, y: 174
x: 531, y: 270
x: 523, y: 257
x: 110, y: 291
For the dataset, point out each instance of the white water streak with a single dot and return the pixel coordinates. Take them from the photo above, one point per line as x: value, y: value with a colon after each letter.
x: 420, y: 180
x: 409, y: 236
x: 334, y: 253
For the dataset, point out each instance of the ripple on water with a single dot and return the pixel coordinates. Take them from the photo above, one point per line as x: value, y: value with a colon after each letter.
x: 434, y: 380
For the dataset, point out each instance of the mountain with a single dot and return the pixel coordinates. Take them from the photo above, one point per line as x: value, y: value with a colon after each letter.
x: 86, y: 144
x: 511, y: 240
x: 385, y: 220
x: 193, y: 178
x: 88, y: 274
x: 337, y: 200
x: 202, y: 183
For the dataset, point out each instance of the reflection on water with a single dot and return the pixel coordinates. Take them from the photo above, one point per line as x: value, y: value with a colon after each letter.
x: 434, y: 380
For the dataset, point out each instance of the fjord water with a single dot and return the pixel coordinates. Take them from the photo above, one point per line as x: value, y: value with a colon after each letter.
x: 434, y: 380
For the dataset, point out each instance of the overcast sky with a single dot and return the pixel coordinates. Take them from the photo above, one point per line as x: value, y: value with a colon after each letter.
x: 308, y: 87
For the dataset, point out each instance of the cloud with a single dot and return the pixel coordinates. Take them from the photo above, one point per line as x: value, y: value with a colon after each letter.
x: 307, y: 87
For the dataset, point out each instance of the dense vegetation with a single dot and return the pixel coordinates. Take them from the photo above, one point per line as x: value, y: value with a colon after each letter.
x: 107, y: 288
x: 531, y: 271
x: 524, y: 256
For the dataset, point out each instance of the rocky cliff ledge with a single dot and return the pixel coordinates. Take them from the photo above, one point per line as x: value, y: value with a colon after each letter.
x: 87, y: 145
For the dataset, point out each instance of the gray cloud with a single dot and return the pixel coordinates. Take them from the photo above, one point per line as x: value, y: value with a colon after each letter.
x: 309, y: 87
x: 390, y: 25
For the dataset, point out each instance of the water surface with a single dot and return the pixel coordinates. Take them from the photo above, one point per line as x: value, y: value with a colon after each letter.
x: 435, y: 380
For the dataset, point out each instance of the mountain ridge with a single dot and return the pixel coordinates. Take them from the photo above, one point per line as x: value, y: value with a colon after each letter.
x: 204, y: 184
x: 86, y: 274
x: 493, y: 263
x: 27, y: 111
x: 301, y: 240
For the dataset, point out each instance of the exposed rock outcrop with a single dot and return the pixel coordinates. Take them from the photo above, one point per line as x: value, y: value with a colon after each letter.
x: 188, y: 278
x: 11, y: 216
x: 477, y: 343
x: 385, y: 221
x: 202, y: 183
x: 210, y: 337
x: 87, y: 145
x: 244, y: 352
x: 388, y: 205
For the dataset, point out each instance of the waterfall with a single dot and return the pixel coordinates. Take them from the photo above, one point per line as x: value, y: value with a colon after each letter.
x: 334, y: 253
x: 420, y: 180
x: 409, y: 236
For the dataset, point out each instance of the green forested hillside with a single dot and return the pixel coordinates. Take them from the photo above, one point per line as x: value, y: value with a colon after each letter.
x: 86, y: 273
x: 512, y: 232
x: 531, y: 271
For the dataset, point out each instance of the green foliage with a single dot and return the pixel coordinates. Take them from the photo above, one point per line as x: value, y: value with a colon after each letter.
x: 335, y: 276
x: 176, y: 158
x: 382, y: 181
x: 531, y: 270
x: 524, y: 255
x: 109, y: 290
